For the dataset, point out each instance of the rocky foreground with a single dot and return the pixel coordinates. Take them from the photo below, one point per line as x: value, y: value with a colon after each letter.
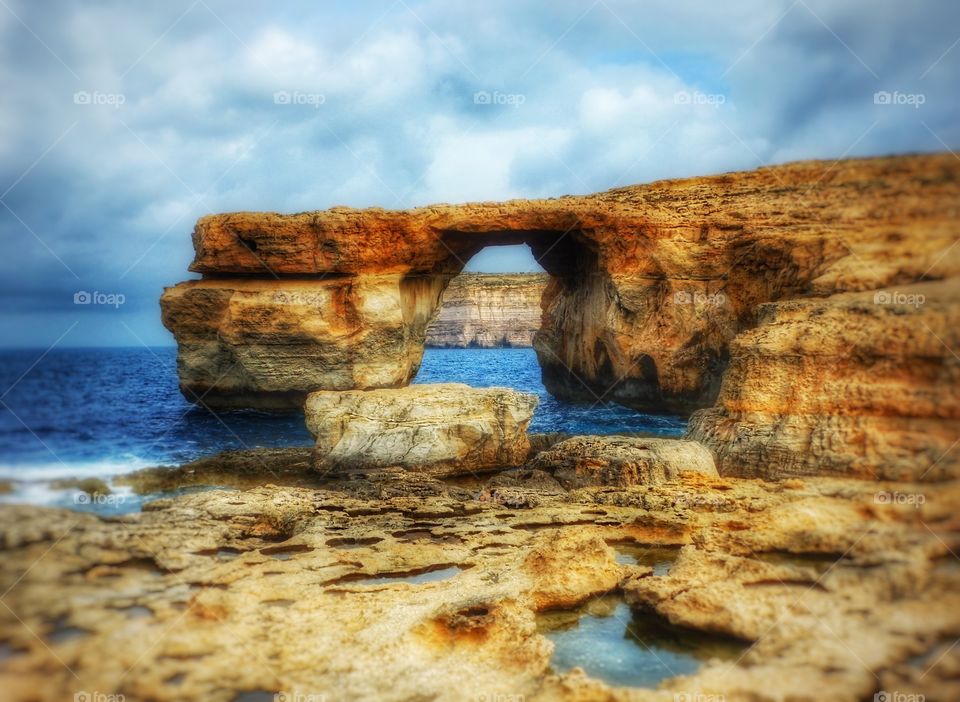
x: 400, y: 586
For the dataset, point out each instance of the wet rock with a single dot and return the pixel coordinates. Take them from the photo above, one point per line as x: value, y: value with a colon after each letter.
x: 621, y: 461
x: 242, y: 469
x: 90, y: 486
x: 444, y: 429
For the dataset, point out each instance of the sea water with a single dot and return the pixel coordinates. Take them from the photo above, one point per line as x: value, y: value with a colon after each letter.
x: 76, y: 413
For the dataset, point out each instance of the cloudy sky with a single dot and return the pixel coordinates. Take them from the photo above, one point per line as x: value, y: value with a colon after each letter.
x: 122, y: 122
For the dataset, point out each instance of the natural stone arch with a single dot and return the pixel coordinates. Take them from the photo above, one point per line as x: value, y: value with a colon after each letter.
x: 650, y: 283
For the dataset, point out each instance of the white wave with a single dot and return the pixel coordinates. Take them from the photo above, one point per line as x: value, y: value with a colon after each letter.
x: 121, y: 499
x: 32, y: 472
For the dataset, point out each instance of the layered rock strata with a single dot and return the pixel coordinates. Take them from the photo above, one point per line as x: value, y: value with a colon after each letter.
x: 859, y: 384
x: 649, y: 284
x: 482, y: 310
x: 402, y: 587
x: 582, y: 461
x: 444, y: 429
x: 266, y: 343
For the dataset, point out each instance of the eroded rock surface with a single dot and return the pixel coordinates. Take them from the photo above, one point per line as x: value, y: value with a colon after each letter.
x: 489, y: 311
x: 403, y: 587
x: 860, y: 384
x: 444, y: 429
x: 622, y: 461
x: 266, y: 343
x: 649, y: 283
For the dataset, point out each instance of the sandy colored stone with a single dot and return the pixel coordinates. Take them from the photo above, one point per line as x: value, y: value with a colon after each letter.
x: 284, y: 589
x: 649, y: 283
x: 444, y: 429
x: 267, y: 343
x: 621, y: 460
x: 482, y: 310
x: 858, y: 384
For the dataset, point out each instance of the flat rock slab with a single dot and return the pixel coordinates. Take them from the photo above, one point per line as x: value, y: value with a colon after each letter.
x: 622, y: 461
x: 444, y: 429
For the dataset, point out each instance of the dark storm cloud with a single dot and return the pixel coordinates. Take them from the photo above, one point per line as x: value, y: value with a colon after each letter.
x: 176, y: 114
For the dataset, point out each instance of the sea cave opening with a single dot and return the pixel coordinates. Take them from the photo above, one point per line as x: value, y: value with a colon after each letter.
x: 484, y: 332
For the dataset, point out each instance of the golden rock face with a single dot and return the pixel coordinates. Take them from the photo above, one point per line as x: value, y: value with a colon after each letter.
x: 650, y: 287
x: 862, y: 384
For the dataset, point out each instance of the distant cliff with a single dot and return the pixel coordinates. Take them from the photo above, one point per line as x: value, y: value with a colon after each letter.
x: 489, y: 310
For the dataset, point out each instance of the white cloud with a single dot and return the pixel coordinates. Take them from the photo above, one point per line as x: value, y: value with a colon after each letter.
x: 398, y: 123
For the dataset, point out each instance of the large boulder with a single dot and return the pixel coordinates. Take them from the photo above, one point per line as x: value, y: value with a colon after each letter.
x: 584, y: 461
x: 443, y: 429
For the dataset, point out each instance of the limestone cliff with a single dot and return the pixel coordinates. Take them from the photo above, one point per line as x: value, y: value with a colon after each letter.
x: 488, y: 311
x: 861, y: 384
x: 649, y: 284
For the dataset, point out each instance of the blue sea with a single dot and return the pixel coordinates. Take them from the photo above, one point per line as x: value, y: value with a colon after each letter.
x: 74, y: 413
